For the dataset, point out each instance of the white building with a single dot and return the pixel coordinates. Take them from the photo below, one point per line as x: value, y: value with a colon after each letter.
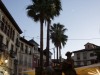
x: 25, y: 56
x: 27, y: 61
x: 9, y: 37
x: 20, y: 53
x: 86, y: 56
x: 36, y: 53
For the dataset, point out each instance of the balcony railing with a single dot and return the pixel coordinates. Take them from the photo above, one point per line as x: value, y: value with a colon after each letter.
x: 20, y: 62
x: 17, y: 43
x: 12, y: 54
x: 3, y: 47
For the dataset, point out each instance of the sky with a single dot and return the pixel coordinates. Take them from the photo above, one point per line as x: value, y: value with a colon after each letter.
x: 80, y: 17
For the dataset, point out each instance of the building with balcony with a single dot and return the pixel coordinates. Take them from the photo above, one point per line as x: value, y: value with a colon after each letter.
x: 16, y: 53
x: 44, y: 56
x: 86, y: 56
x: 9, y: 38
x: 36, y: 54
x: 25, y: 56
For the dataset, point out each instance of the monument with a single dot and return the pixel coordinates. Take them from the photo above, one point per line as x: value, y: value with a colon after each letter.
x: 68, y: 65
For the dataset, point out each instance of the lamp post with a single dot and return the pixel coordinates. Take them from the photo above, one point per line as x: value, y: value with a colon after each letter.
x: 3, y: 67
x: 6, y: 61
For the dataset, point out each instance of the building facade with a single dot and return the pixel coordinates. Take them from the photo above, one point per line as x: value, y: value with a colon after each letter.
x: 28, y: 56
x: 36, y: 54
x: 16, y: 53
x: 25, y: 56
x: 9, y: 36
x: 86, y: 56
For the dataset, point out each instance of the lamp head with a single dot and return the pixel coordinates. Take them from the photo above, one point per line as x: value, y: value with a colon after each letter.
x: 6, y: 61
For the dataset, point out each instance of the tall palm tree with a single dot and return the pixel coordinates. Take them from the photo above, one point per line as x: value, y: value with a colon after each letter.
x: 37, y: 12
x: 53, y: 11
x: 44, y: 10
x: 58, y: 36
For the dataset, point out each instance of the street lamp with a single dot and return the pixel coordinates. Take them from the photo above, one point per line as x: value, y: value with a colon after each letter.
x: 6, y: 61
x: 3, y: 66
x: 4, y: 55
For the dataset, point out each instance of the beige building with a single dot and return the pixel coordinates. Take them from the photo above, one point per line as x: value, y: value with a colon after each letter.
x: 86, y: 56
x: 9, y: 37
x: 25, y: 56
x: 16, y: 53
x: 36, y: 53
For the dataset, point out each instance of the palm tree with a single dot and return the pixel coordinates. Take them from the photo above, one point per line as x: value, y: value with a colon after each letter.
x: 44, y: 10
x: 37, y: 12
x: 53, y: 11
x: 58, y: 37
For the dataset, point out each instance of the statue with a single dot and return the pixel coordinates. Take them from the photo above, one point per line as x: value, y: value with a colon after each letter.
x: 68, y: 65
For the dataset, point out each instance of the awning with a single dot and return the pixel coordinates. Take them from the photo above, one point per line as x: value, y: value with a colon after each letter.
x: 30, y: 72
x: 89, y: 70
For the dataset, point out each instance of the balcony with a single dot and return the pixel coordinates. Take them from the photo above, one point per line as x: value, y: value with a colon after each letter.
x: 17, y: 43
x: 3, y: 47
x: 20, y: 62
x: 12, y: 54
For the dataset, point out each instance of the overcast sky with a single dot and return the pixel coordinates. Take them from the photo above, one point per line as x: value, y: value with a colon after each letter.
x: 80, y: 17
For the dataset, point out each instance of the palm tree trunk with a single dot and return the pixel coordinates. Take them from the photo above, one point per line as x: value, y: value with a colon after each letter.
x: 57, y: 54
x: 54, y: 55
x: 48, y: 43
x: 41, y: 44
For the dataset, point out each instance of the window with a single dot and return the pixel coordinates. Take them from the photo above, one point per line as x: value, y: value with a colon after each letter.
x: 21, y: 59
x: 22, y: 46
x: 17, y: 42
x: 30, y: 52
x: 2, y: 25
x: 7, y: 42
x: 12, y: 47
x: 1, y: 43
x: 85, y: 63
x: 84, y: 55
x: 3, y: 19
x: 8, y: 28
x: 0, y: 15
x: 6, y: 23
x: 78, y: 63
x: 88, y: 46
x: 5, y: 29
x: 78, y: 56
x: 16, y: 51
x: 25, y: 61
x: 1, y: 38
x: 92, y: 61
x: 26, y: 49
x: 91, y: 54
x: 13, y: 35
x: 29, y: 62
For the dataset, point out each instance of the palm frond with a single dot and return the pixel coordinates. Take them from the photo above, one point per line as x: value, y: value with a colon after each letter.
x: 57, y: 35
